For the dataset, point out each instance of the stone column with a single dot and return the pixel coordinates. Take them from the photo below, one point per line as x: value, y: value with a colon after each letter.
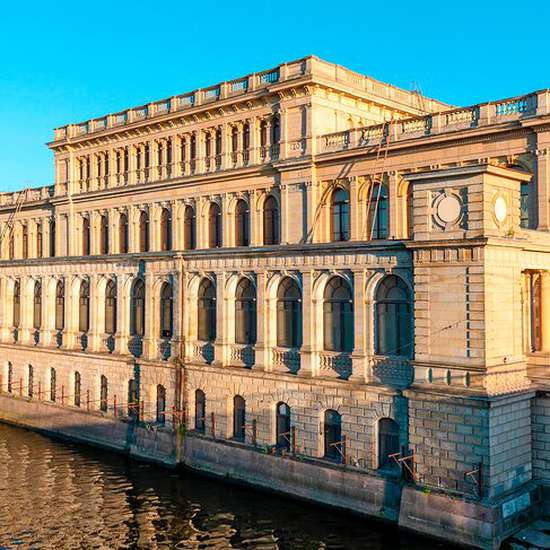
x: 132, y: 168
x: 358, y: 357
x: 228, y: 224
x: 151, y: 333
x: 226, y: 160
x: 355, y: 228
x: 283, y: 129
x: 543, y: 186
x: 284, y: 216
x: 262, y: 350
x: 123, y: 314
x: 47, y: 318
x: 393, y: 210
x: 97, y: 316
x: 255, y: 218
x: 26, y: 305
x: 308, y: 355
x: 70, y: 331
x: 222, y: 338
x: 545, y: 311
x: 177, y: 289
x: 176, y: 168
x: 6, y: 311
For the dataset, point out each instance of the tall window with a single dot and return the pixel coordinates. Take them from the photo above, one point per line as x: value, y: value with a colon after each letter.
x: 85, y: 236
x: 11, y: 246
x: 524, y: 204
x: 393, y: 317
x: 200, y: 410
x: 340, y: 227
x: 388, y: 442
x: 39, y: 241
x: 271, y: 221
x: 246, y: 140
x: 189, y: 228
x: 110, y: 307
x: 234, y: 139
x: 206, y: 311
x: 60, y: 306
x: 37, y: 306
x: 535, y: 313
x: 239, y: 418
x: 53, y: 384
x: 16, y: 304
x: 193, y: 151
x: 333, y: 434
x: 214, y: 226
x: 137, y: 313
x: 77, y: 389
x: 143, y: 231
x: 166, y: 311
x: 52, y: 237
x: 410, y: 212
x: 30, y: 381
x: 103, y: 393
x: 161, y: 404
x: 133, y: 402
x: 263, y: 133
x: 338, y: 316
x: 241, y: 224
x: 165, y: 230
x: 245, y: 313
x: 84, y: 307
x: 378, y: 213
x: 10, y: 377
x: 289, y: 314
x: 283, y: 426
x: 275, y: 130
x: 25, y: 242
x: 104, y: 234
x: 123, y: 233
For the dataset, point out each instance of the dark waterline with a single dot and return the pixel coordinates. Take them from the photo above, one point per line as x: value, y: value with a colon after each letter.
x: 62, y: 496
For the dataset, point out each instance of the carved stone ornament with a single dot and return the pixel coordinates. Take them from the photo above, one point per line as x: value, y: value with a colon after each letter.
x: 448, y: 210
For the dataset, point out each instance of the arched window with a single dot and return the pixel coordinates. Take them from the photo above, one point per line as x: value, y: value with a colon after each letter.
x: 388, y: 442
x: 143, y: 231
x: 275, y: 130
x: 241, y: 224
x: 214, y: 226
x: 239, y: 418
x: 123, y: 233
x: 39, y: 241
x: 333, y: 434
x: 535, y: 311
x: 338, y: 316
x: 133, y: 401
x: 25, y: 242
x: 393, y: 317
x: 378, y: 212
x: 37, y: 306
x: 206, y: 311
x: 60, y: 306
x: 263, y: 133
x: 52, y: 237
x: 246, y: 140
x: 30, y: 381
x: 283, y: 426
x: 410, y: 212
x: 11, y: 247
x: 137, y: 309
x: 85, y: 236
x: 103, y: 393
x: 166, y: 311
x: 207, y: 146
x: 53, y: 384
x: 16, y: 304
x: 245, y: 312
x: 189, y: 225
x: 234, y: 139
x: 77, y: 389
x: 524, y: 204
x: 340, y: 226
x: 193, y: 151
x: 218, y: 142
x: 165, y: 230
x: 161, y: 404
x: 200, y: 411
x: 104, y: 234
x: 110, y: 307
x: 84, y: 307
x: 289, y: 314
x: 271, y: 221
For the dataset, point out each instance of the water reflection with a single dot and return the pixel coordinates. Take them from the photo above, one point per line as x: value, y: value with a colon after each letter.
x: 62, y: 496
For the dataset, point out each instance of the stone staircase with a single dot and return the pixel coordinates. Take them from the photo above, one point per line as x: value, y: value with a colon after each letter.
x: 535, y: 536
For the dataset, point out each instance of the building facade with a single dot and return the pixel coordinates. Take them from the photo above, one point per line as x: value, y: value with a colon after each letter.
x: 319, y: 275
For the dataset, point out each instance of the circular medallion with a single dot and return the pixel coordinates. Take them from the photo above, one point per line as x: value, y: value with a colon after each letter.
x: 449, y: 209
x: 501, y: 210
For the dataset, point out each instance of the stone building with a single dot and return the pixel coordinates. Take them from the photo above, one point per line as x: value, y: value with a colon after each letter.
x: 339, y: 287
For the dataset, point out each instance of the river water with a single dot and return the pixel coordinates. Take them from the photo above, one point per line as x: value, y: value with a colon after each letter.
x: 57, y: 495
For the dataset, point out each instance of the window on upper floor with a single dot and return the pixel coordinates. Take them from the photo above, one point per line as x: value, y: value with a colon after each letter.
x: 206, y: 311
x: 189, y: 224
x: 165, y: 229
x: 110, y: 307
x: 52, y: 237
x: 242, y: 224
x: 245, y: 312
x: 84, y: 307
x: 104, y: 234
x: 166, y: 311
x: 289, y: 314
x: 525, y: 188
x: 340, y: 215
x: 137, y: 308
x: 39, y: 241
x: 214, y: 226
x: 123, y: 233
x: 60, y: 306
x: 16, y: 304
x: 271, y: 221
x: 338, y: 316
x: 143, y: 231
x: 275, y: 130
x: 378, y: 212
x: 25, y: 242
x: 85, y: 236
x: 37, y: 306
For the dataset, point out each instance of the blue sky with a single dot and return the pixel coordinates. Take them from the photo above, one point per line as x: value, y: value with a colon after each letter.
x: 63, y: 62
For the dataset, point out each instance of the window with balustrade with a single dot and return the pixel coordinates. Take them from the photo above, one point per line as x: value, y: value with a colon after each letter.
x: 214, y: 226
x: 289, y: 314
x: 60, y: 306
x: 340, y: 215
x: 104, y: 234
x: 393, y: 318
x: 166, y: 311
x: 37, y: 306
x: 245, y: 312
x: 242, y: 224
x: 388, y: 442
x: 206, y: 311
x: 332, y: 430
x: 110, y: 307
x: 86, y: 236
x: 143, y: 231
x: 282, y: 426
x: 239, y: 418
x: 271, y: 221
x: 200, y: 411
x: 189, y: 228
x: 165, y: 229
x: 123, y: 233
x: 378, y: 212
x: 338, y: 316
x: 137, y: 308
x: 84, y: 307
